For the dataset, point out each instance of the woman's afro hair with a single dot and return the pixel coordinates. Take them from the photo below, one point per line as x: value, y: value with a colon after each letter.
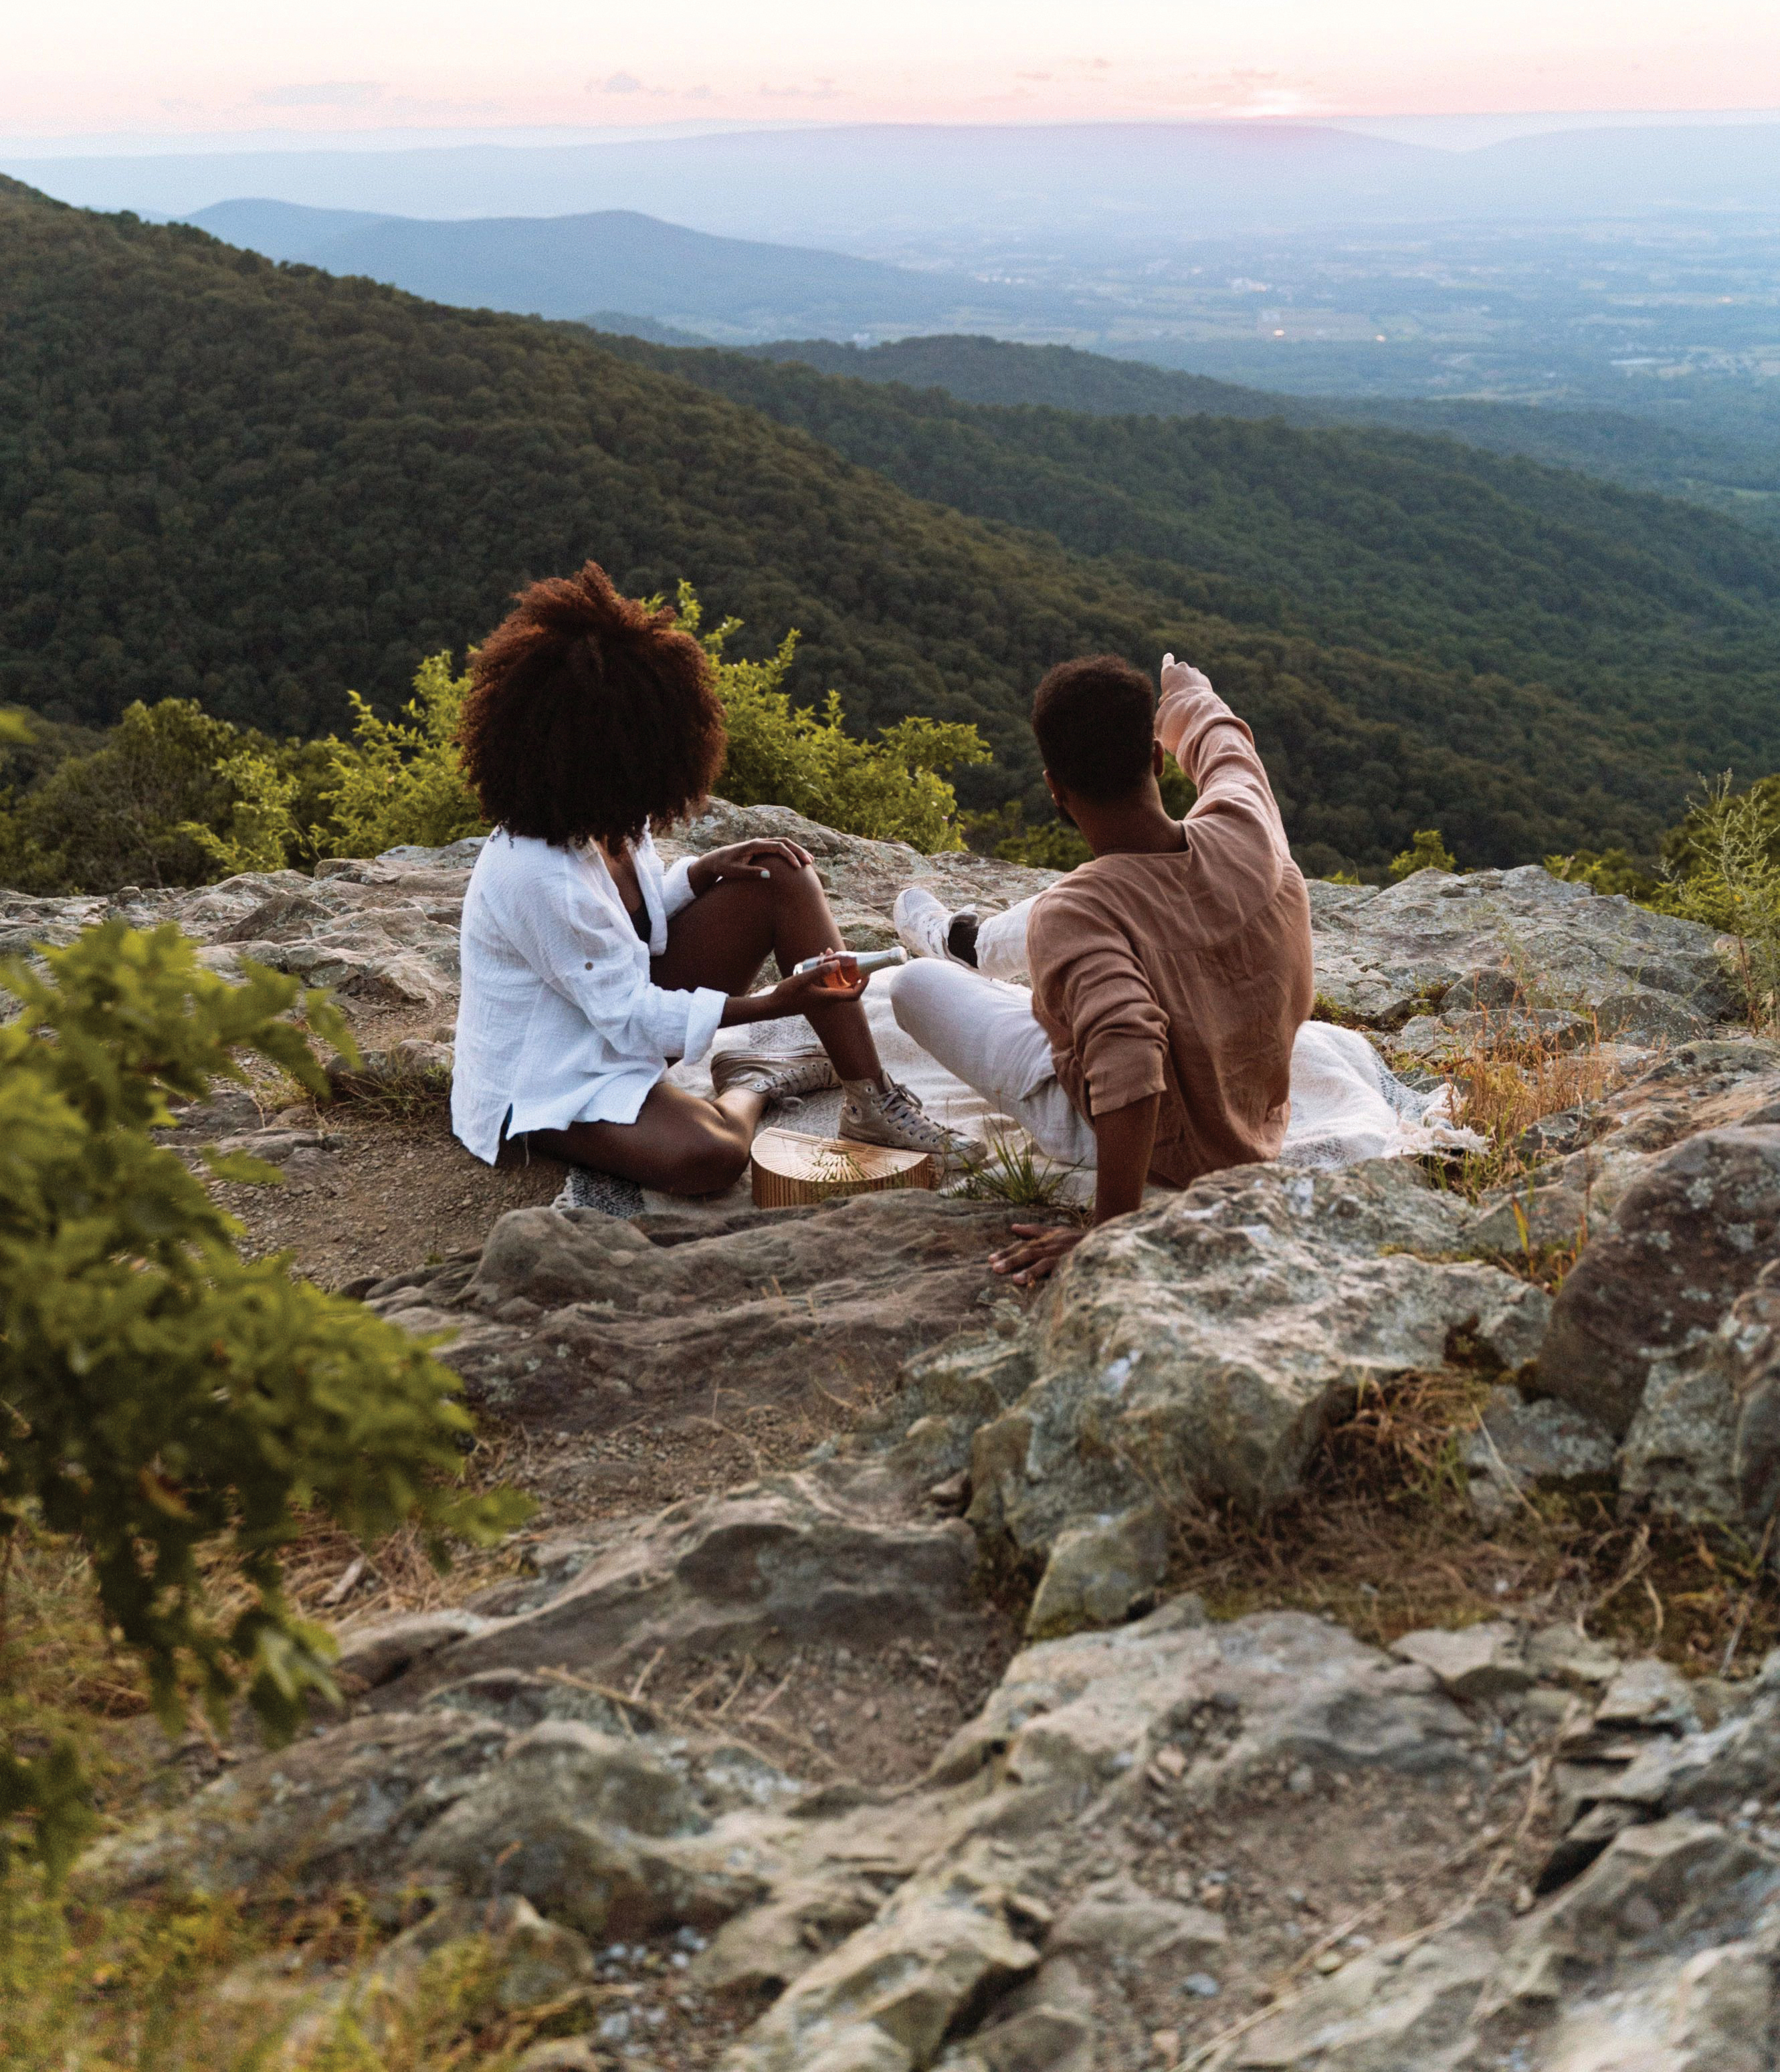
x: 589, y: 715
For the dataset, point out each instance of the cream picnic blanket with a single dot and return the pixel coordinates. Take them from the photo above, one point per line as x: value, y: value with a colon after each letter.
x: 1346, y: 1104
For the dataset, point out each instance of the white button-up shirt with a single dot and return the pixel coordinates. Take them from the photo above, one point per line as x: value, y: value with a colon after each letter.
x: 557, y: 1022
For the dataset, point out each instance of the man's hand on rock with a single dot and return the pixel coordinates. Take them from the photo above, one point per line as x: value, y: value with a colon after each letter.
x: 1043, y: 1252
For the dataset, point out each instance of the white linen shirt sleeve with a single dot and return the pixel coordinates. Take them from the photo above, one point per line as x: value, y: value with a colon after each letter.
x: 676, y: 888
x: 582, y: 947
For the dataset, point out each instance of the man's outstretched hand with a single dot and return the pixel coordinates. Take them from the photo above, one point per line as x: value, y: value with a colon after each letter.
x: 1043, y: 1252
x: 1183, y: 677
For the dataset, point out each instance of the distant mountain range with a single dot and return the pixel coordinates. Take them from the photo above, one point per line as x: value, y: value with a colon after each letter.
x: 613, y: 260
x: 886, y: 187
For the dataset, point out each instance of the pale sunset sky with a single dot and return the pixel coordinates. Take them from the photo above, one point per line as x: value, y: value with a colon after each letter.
x: 184, y: 70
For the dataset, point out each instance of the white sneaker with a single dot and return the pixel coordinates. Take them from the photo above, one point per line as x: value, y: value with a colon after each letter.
x: 890, y: 1114
x: 781, y: 1078
x: 924, y: 925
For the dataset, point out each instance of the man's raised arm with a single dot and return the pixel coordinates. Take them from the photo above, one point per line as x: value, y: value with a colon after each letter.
x: 1214, y: 747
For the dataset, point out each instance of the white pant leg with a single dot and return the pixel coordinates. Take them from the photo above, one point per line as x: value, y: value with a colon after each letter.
x: 1002, y: 944
x: 984, y: 1033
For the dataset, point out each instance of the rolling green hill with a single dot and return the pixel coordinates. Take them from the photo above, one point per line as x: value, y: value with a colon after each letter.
x: 257, y: 485
x: 1739, y: 475
x: 1653, y: 617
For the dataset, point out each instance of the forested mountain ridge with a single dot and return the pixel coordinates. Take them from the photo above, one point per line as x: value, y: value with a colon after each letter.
x: 722, y: 287
x: 1615, y: 445
x: 1643, y: 611
x: 255, y: 485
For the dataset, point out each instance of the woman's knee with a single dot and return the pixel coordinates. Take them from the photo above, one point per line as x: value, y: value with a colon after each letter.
x: 793, y: 884
x: 709, y: 1160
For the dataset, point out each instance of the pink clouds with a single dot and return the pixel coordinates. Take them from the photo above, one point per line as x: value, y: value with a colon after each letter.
x: 345, y: 65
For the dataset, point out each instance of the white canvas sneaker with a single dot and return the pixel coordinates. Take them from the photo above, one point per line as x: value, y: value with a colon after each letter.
x: 890, y: 1114
x: 923, y: 926
x: 785, y: 1077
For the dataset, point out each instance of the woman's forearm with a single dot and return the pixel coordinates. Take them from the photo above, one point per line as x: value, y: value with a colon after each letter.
x: 743, y: 1007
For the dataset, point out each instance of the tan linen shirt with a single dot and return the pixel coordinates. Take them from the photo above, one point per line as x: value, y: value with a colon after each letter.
x: 1186, y: 974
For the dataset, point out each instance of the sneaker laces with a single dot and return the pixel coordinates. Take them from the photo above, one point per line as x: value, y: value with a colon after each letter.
x: 901, y: 1108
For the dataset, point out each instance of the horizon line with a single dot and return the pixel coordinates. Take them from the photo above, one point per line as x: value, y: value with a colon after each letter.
x: 547, y: 136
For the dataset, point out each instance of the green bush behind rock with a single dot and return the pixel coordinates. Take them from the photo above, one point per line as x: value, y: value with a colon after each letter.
x: 175, y: 796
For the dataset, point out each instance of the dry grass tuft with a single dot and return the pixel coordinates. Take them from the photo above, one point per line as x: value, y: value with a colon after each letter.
x: 1510, y: 1073
x: 1382, y: 1537
x: 394, y: 1087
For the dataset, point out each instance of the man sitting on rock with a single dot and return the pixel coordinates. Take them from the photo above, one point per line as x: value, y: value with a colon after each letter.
x: 1171, y: 973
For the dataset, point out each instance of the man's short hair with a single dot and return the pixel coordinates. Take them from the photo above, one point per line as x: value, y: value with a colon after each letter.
x: 1095, y: 720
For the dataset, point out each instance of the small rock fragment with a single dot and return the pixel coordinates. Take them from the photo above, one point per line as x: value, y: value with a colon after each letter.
x: 1471, y: 1661
x: 1099, y: 1572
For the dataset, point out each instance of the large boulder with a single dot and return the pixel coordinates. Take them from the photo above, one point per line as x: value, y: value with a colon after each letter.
x: 1498, y: 939
x: 1685, y: 1240
x: 826, y: 1554
x: 1204, y: 1342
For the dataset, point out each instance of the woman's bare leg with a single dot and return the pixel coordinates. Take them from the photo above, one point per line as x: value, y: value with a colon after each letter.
x: 680, y: 1143
x: 723, y: 938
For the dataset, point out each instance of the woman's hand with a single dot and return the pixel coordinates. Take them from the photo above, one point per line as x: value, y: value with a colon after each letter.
x: 1040, y: 1257
x: 746, y: 859
x: 820, y: 988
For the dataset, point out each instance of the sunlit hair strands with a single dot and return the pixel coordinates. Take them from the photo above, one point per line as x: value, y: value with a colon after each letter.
x: 589, y: 715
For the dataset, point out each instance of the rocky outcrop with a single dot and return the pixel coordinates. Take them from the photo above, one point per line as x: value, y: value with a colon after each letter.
x: 908, y: 1934
x: 1203, y: 1343
x: 382, y: 932
x: 1062, y: 1870
x: 1509, y: 941
x: 580, y: 1322
x: 1656, y: 1945
x: 1157, y: 1840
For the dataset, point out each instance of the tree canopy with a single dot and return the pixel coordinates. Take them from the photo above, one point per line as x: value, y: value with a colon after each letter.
x: 257, y: 487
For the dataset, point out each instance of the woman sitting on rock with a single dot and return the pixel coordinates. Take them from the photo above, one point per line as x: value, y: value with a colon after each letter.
x: 586, y: 970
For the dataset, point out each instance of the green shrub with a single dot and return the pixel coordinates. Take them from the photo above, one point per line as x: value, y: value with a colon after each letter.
x: 399, y: 781
x: 261, y: 828
x: 894, y: 789
x: 122, y: 814
x: 1053, y: 844
x: 1426, y: 851
x: 1729, y: 880
x: 164, y: 1399
x: 1004, y: 831
x: 1607, y: 871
